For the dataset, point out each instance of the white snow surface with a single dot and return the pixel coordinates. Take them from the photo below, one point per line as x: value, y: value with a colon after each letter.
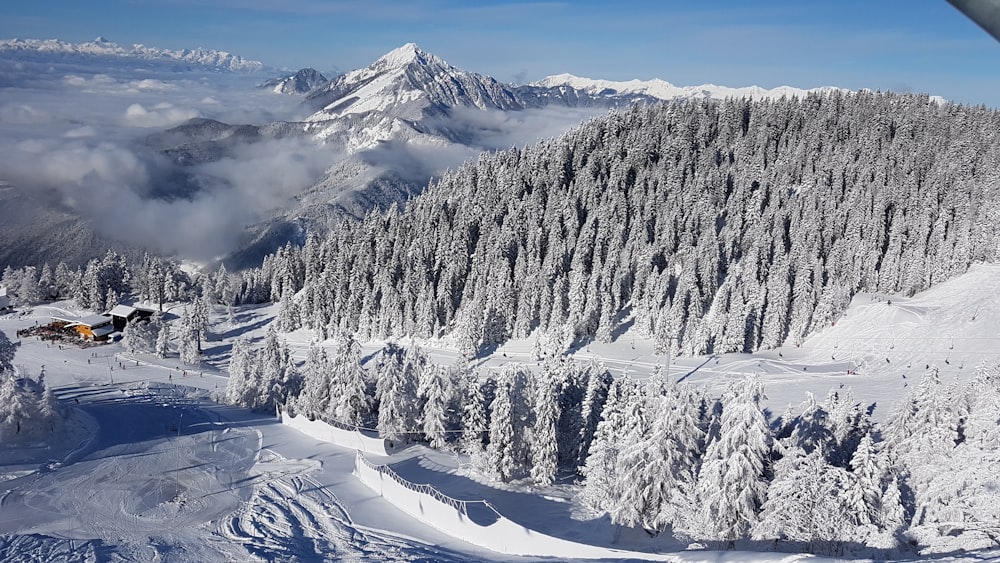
x: 149, y: 468
x: 666, y: 91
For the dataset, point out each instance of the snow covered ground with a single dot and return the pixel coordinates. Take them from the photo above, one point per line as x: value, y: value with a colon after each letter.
x: 150, y: 468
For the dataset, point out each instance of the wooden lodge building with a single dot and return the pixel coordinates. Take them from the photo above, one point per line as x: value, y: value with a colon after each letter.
x: 100, y: 327
x: 91, y: 327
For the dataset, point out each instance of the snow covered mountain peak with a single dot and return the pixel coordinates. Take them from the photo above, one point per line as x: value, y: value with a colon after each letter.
x: 406, y: 55
x: 406, y: 84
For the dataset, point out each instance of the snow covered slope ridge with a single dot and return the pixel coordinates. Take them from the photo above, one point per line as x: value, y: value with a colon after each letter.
x: 101, y: 47
x: 302, y: 82
x: 663, y: 90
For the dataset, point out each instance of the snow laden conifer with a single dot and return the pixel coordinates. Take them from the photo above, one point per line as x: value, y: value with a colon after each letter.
x: 863, y: 494
x: 543, y: 447
x: 620, y: 419
x: 848, y: 422
x: 279, y: 379
x: 924, y: 424
x: 474, y: 422
x: 396, y: 389
x: 507, y: 452
x: 317, y: 384
x: 351, y: 387
x: 7, y: 351
x: 804, y: 504
x: 657, y: 471
x: 892, y: 517
x: 943, y: 438
x: 162, y: 345
x: 288, y: 318
x: 131, y: 339
x: 732, y: 483
x: 193, y: 324
x: 140, y: 336
x: 243, y: 375
x: 261, y: 378
x: 434, y: 393
x: 598, y: 381
x: 15, y: 411
x: 812, y: 430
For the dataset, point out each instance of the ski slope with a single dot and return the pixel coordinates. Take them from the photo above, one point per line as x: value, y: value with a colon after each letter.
x: 148, y: 467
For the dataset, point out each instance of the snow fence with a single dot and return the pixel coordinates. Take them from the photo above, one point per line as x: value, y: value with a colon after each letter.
x: 476, y: 521
x: 346, y: 437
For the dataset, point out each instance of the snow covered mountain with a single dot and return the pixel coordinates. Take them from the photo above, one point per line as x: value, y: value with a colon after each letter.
x: 101, y: 48
x: 663, y: 90
x: 391, y: 126
x: 302, y: 82
x: 395, y: 96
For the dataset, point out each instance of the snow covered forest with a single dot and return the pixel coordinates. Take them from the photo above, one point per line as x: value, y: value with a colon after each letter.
x: 706, y: 226
x: 713, y: 226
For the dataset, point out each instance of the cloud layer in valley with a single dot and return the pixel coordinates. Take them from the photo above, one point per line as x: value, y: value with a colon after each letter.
x: 76, y: 138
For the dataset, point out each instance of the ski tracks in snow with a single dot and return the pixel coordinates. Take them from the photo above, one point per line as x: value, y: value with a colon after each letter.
x: 291, y: 517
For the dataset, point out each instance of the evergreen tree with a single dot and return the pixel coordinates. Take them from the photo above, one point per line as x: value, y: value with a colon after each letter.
x: 620, y: 419
x: 396, y: 391
x: 243, y: 378
x: 812, y: 431
x: 318, y: 388
x: 864, y: 490
x: 543, y: 450
x: 732, y: 483
x: 288, y: 318
x: 474, y: 423
x: 434, y: 394
x: 351, y: 388
x: 804, y: 504
x: 598, y: 381
x: 7, y: 351
x: 279, y: 379
x: 162, y: 346
x: 507, y: 451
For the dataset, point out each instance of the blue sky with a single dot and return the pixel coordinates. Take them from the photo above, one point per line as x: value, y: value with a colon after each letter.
x: 901, y: 45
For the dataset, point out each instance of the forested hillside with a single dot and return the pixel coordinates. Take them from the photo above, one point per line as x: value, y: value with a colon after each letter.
x: 715, y: 226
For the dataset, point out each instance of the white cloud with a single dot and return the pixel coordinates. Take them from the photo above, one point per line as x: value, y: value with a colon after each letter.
x: 152, y: 85
x: 163, y: 114
x: 85, y: 131
x: 22, y: 114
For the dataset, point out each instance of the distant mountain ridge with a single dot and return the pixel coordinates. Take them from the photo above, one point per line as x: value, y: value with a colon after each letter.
x: 408, y: 92
x: 664, y: 90
x: 102, y: 48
